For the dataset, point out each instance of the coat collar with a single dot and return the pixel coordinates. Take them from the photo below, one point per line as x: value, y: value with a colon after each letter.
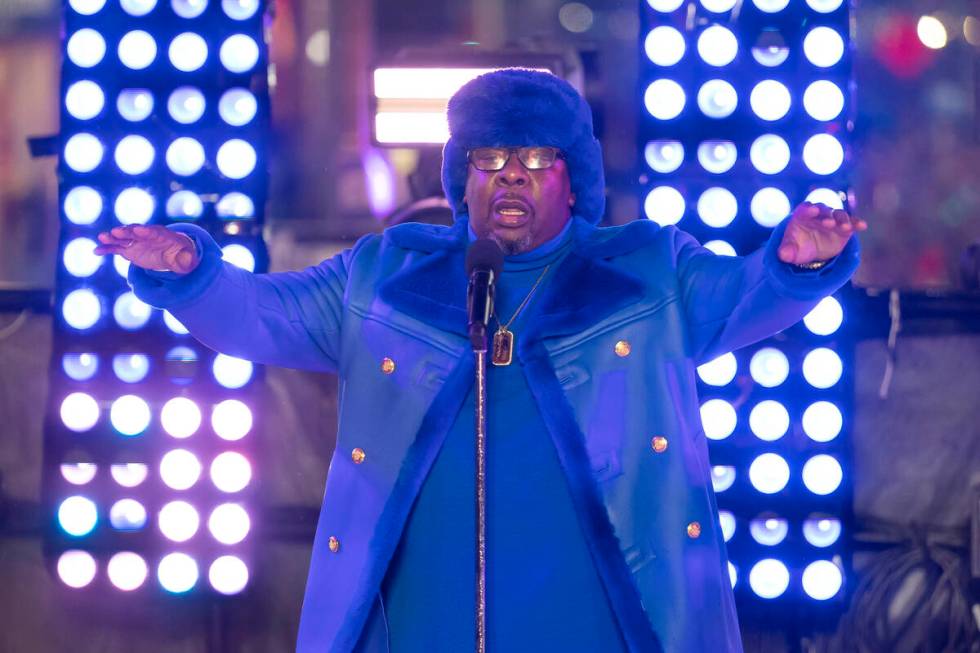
x: 585, y: 288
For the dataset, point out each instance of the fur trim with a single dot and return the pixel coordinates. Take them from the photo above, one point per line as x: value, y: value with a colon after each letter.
x: 524, y: 107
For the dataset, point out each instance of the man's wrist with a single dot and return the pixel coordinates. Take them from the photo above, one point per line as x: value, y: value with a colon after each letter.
x: 812, y: 265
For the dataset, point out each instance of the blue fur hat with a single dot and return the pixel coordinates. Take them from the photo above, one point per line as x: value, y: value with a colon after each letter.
x: 518, y: 107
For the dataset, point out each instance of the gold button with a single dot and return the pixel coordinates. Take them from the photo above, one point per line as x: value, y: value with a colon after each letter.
x: 387, y: 365
x: 659, y: 444
x: 694, y: 530
x: 357, y: 455
x: 622, y: 348
x: 334, y: 544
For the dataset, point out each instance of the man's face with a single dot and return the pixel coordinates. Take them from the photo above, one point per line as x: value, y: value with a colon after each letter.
x: 518, y: 208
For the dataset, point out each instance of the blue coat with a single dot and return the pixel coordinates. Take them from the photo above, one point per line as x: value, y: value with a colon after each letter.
x: 610, y: 355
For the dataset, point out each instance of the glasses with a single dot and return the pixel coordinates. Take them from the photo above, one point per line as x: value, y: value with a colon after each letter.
x: 532, y: 157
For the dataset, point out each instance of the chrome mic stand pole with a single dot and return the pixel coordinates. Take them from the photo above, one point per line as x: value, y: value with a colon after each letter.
x: 481, y: 499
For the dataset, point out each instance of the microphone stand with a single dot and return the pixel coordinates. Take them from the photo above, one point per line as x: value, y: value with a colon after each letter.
x: 481, y: 495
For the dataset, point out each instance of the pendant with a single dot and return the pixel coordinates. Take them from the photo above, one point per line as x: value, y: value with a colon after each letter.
x: 503, y: 347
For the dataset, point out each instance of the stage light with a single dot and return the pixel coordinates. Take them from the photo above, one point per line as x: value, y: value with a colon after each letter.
x: 127, y: 571
x: 127, y: 515
x: 823, y: 47
x: 79, y: 412
x: 130, y: 415
x: 769, y: 420
x: 235, y: 205
x: 177, y: 573
x: 178, y: 521
x: 134, y: 206
x: 137, y: 50
x: 83, y: 205
x: 770, y: 49
x: 825, y: 318
x: 231, y: 372
x: 769, y: 578
x: 720, y: 371
x: 188, y: 8
x: 80, y: 259
x: 79, y: 473
x: 821, y: 530
x: 769, y: 473
x: 717, y: 46
x: 718, y: 6
x: 84, y: 100
x: 180, y: 417
x: 130, y: 368
x: 83, y: 152
x: 86, y: 7
x: 185, y: 156
x: 240, y: 9
x: 931, y: 32
x: 664, y: 205
x: 134, y: 154
x: 769, y: 367
x: 727, y: 522
x: 85, y: 48
x: 722, y: 477
x: 121, y: 265
x: 186, y: 105
x: 732, y: 573
x: 825, y: 196
x: 77, y: 515
x: 239, y: 53
x: 824, y: 6
x: 188, y: 52
x: 664, y: 99
x: 665, y: 6
x: 770, y: 6
x: 239, y: 255
x: 76, y: 568
x: 768, y: 530
x: 230, y: 472
x: 822, y: 368
x: 822, y: 580
x: 130, y: 312
x: 717, y: 207
x: 769, y: 206
x: 236, y: 159
x: 770, y: 100
x: 822, y: 421
x: 717, y: 98
x: 228, y: 575
x: 720, y: 247
x: 718, y: 418
x: 769, y: 154
x: 174, y: 324
x: 135, y: 104
x: 237, y: 106
x: 129, y: 474
x: 229, y: 523
x: 184, y: 205
x: 664, y: 45
x: 717, y: 156
x: 231, y: 420
x: 138, y: 7
x: 80, y: 367
x: 822, y: 474
x: 823, y: 154
x: 180, y: 469
x: 823, y: 100
x: 664, y: 156
x: 81, y: 309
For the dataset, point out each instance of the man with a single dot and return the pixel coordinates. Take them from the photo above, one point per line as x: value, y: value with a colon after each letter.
x: 603, y: 531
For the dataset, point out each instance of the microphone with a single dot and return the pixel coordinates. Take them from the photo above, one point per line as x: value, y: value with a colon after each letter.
x: 484, y: 261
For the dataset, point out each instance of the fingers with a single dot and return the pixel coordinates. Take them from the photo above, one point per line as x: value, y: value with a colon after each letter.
x: 835, y: 220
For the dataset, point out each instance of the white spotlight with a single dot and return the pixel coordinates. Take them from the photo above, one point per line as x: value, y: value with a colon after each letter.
x: 134, y: 206
x: 822, y: 580
x: 823, y: 100
x: 769, y: 420
x: 85, y: 48
x: 718, y: 418
x: 720, y: 371
x: 823, y: 46
x: 83, y: 152
x: 83, y: 205
x: 137, y: 50
x: 769, y: 154
x: 769, y: 473
x: 664, y: 45
x: 236, y: 158
x: 822, y: 421
x: 717, y: 46
x: 84, y: 99
x: 822, y: 368
x: 769, y: 206
x: 664, y: 205
x: 770, y: 100
x: 769, y: 578
x: 664, y: 156
x: 717, y: 98
x: 188, y: 52
x: 664, y: 99
x: 823, y: 154
x: 822, y: 474
x: 717, y: 207
x: 239, y: 53
x: 717, y: 156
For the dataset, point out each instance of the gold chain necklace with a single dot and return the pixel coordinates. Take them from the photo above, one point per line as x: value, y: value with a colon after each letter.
x: 503, y: 339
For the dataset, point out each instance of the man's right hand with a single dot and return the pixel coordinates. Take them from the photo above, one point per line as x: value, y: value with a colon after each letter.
x: 152, y: 247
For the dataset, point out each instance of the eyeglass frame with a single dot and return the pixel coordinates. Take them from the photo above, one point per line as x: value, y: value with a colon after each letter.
x: 559, y: 154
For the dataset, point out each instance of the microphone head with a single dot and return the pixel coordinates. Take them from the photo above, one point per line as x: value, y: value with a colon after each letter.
x: 484, y: 254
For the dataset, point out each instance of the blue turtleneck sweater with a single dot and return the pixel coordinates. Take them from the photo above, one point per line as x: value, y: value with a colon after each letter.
x: 543, y: 591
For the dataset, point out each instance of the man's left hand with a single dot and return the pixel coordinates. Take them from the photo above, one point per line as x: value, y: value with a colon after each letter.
x: 817, y: 232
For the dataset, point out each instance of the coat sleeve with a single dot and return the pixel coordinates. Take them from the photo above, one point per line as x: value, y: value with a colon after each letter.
x: 731, y: 302
x: 291, y: 319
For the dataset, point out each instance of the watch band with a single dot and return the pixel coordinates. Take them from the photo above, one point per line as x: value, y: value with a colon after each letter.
x: 813, y: 265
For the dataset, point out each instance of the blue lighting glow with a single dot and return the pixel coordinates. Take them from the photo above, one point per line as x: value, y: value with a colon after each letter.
x: 769, y: 154
x: 80, y: 367
x: 186, y: 105
x: 80, y: 258
x: 717, y: 98
x: 664, y: 156
x: 717, y: 156
x: 822, y: 530
x: 768, y: 530
x: 130, y: 368
x: 135, y: 104
x: 237, y: 106
x: 130, y: 312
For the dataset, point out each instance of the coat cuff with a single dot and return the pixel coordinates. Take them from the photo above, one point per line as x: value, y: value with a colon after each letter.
x: 807, y: 285
x: 169, y: 290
